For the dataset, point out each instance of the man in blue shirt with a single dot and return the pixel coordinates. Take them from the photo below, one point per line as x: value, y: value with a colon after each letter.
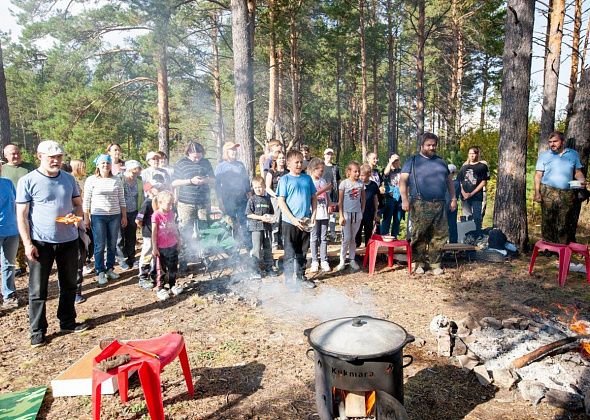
x: 424, y: 184
x: 555, y: 169
x: 298, y: 202
x: 42, y: 196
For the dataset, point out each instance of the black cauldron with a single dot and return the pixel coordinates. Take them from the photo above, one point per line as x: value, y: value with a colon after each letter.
x: 357, y: 354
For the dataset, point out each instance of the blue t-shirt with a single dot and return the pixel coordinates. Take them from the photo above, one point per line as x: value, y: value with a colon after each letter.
x: 8, y: 225
x: 558, y: 170
x: 431, y: 176
x: 297, y: 191
x: 48, y: 198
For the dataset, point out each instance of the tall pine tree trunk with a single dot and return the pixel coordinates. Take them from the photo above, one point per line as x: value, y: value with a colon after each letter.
x: 273, y: 83
x: 575, y: 61
x: 220, y: 135
x: 551, y: 79
x: 4, y: 112
x: 485, y: 85
x: 579, y: 127
x: 242, y: 34
x: 295, y: 77
x: 163, y: 109
x: 421, y: 40
x: 376, y: 118
x: 392, y: 82
x: 363, y: 115
x: 338, y: 143
x: 510, y: 204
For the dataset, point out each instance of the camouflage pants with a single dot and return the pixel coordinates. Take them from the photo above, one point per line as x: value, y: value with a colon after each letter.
x: 429, y: 231
x: 557, y: 215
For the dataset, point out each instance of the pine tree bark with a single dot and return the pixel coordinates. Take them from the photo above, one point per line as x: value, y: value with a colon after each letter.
x: 392, y: 82
x: 339, y: 128
x: 363, y: 115
x: 273, y: 83
x: 4, y: 110
x: 575, y: 61
x: 220, y: 134
x: 163, y: 109
x: 295, y: 77
x: 485, y: 85
x: 242, y: 35
x: 579, y: 127
x: 510, y: 204
x: 551, y: 79
x: 421, y: 40
x: 376, y: 117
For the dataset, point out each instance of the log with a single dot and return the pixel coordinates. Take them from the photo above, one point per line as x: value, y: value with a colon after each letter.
x: 545, y: 350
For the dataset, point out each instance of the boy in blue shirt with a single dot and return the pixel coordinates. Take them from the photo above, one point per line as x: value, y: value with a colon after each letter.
x: 297, y: 200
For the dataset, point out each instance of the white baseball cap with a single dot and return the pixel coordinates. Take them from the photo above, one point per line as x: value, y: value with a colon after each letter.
x: 50, y: 147
x: 452, y: 168
x: 132, y: 164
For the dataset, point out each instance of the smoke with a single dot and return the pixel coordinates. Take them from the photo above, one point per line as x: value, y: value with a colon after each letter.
x: 293, y: 306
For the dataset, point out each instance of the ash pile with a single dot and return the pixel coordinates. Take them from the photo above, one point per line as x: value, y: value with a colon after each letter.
x: 538, y: 358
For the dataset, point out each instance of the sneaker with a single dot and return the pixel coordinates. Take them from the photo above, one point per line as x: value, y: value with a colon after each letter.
x: 111, y: 275
x: 315, y: 267
x: 325, y: 267
x: 87, y: 269
x: 124, y: 266
x: 340, y: 266
x: 102, y: 279
x: 38, y: 341
x: 76, y: 328
x: 354, y: 265
x: 10, y: 303
x: 307, y: 284
x: 255, y: 275
x: 176, y: 290
x: 80, y: 299
x: 419, y: 270
x: 19, y: 272
x: 438, y: 271
x: 271, y: 272
x: 162, y: 294
x: 145, y: 284
x: 136, y: 264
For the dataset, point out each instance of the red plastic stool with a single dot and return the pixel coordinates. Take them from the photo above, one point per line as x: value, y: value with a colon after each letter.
x: 564, y: 252
x: 148, y: 357
x: 581, y: 250
x: 373, y: 247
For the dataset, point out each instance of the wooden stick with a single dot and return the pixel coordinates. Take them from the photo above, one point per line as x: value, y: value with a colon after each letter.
x: 544, y: 350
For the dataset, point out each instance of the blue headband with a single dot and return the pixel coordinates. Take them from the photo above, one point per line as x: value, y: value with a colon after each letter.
x: 103, y: 158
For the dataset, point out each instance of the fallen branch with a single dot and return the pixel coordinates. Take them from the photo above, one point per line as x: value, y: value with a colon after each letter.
x: 545, y: 350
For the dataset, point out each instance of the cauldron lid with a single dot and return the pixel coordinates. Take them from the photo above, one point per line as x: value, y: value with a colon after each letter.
x: 361, y: 337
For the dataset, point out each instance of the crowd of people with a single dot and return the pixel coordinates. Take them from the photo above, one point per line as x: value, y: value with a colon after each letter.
x: 62, y: 215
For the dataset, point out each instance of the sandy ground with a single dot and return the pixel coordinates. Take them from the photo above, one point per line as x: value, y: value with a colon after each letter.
x: 246, y: 345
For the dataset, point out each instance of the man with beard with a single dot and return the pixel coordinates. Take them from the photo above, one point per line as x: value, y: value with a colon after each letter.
x: 424, y: 183
x: 43, y: 196
x: 14, y: 170
x: 555, y: 169
x: 193, y: 176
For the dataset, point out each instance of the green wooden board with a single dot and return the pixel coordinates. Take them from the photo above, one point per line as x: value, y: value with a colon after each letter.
x: 22, y: 405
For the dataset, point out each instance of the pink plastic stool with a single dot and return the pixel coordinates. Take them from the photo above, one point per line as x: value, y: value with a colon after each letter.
x: 580, y: 249
x: 143, y: 359
x: 373, y: 247
x: 564, y: 252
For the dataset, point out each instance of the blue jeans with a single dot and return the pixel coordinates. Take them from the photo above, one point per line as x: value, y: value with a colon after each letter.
x: 8, y: 247
x: 237, y: 213
x: 473, y: 208
x: 452, y: 222
x: 392, y: 216
x: 106, y: 231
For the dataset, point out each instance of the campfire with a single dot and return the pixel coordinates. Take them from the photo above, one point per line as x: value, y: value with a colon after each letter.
x: 545, y: 357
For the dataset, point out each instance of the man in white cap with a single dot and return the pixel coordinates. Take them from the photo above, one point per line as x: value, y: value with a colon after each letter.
x: 43, y: 196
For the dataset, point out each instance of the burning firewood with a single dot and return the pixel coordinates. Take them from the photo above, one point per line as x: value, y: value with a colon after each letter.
x: 545, y: 350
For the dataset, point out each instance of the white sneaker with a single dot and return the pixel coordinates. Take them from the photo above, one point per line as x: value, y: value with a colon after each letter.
x: 102, y: 279
x: 111, y: 275
x: 340, y: 266
x: 315, y: 267
x: 162, y: 294
x: 176, y: 290
x: 438, y: 271
x: 325, y: 267
x: 87, y: 269
x: 354, y: 265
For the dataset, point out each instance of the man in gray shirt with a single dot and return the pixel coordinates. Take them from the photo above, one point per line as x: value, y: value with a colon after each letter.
x: 43, y: 197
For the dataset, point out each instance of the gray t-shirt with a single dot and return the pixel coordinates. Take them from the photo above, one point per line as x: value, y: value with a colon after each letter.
x: 431, y: 176
x: 352, y: 195
x: 48, y: 198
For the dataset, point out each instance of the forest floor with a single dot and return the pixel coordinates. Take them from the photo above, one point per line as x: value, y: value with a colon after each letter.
x: 246, y: 345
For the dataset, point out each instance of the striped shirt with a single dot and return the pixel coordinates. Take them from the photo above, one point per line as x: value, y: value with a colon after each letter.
x: 103, y: 196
